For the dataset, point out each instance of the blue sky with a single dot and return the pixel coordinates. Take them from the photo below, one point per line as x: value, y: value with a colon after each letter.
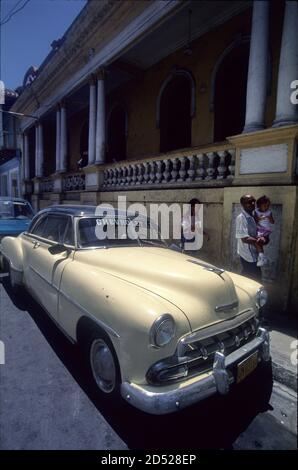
x: 27, y: 36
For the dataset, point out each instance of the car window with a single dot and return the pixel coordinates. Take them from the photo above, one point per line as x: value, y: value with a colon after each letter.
x: 39, y: 226
x: 69, y: 238
x: 55, y: 227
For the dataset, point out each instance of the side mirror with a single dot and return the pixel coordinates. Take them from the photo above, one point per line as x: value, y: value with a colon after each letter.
x: 57, y: 249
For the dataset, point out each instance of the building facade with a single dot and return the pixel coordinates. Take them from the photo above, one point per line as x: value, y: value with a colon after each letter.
x: 10, y: 157
x: 165, y: 101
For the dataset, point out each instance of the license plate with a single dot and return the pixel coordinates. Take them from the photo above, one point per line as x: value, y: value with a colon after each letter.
x: 245, y: 367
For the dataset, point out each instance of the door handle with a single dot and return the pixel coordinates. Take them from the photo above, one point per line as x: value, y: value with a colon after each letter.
x: 36, y: 244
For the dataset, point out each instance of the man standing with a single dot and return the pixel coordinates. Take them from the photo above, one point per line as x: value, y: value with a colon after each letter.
x: 247, y: 240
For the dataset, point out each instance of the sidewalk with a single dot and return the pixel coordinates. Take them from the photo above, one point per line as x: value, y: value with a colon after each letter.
x: 283, y: 334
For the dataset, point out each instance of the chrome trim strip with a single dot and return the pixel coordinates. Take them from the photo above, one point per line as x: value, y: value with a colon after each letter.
x: 208, y: 267
x: 32, y: 237
x: 224, y: 308
x: 214, y: 330
x: 159, y: 402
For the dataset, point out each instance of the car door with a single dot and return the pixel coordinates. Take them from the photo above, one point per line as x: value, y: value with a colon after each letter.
x: 43, y: 270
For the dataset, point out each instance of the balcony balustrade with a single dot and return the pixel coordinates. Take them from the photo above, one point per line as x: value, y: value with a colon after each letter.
x: 195, y: 169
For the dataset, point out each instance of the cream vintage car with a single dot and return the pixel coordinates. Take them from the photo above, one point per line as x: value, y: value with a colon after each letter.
x: 162, y: 328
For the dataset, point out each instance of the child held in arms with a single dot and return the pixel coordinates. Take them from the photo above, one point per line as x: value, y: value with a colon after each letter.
x: 264, y: 220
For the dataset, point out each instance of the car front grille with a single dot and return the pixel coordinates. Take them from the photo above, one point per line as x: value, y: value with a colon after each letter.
x: 198, y: 356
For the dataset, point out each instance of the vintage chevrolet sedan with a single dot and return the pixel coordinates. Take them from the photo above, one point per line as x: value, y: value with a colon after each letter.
x: 161, y: 328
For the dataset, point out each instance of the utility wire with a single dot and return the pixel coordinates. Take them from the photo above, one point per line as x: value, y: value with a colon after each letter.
x: 14, y: 13
x: 0, y: 39
x: 12, y: 10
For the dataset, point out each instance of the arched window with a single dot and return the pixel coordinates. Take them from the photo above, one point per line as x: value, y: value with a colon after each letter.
x: 175, y: 109
x: 229, y: 91
x: 116, y: 133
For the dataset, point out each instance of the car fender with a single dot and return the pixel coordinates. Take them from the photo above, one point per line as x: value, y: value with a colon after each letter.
x: 125, y: 311
x: 12, y: 251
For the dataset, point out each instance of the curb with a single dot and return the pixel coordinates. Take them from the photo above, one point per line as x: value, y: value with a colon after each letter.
x: 284, y: 376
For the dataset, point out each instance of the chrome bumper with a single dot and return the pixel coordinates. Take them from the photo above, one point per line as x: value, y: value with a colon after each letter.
x: 217, y: 381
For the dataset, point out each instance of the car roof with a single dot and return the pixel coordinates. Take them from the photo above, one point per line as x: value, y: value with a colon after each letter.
x: 80, y: 210
x: 13, y: 199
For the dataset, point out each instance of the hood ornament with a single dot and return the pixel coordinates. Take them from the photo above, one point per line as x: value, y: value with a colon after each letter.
x: 209, y: 267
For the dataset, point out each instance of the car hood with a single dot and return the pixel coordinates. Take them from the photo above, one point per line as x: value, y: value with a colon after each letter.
x: 184, y: 281
x: 13, y: 226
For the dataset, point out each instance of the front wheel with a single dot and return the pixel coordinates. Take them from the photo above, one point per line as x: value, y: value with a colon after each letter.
x: 103, y: 364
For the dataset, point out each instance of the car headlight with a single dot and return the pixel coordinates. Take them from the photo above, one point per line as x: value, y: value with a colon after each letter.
x: 262, y: 297
x: 162, y: 331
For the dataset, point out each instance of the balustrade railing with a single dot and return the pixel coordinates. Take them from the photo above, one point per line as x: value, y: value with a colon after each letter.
x: 195, y: 169
x: 74, y: 182
x: 47, y: 186
x: 209, y: 166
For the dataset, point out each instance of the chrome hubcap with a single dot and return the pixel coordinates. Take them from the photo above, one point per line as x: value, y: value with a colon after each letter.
x: 103, y: 365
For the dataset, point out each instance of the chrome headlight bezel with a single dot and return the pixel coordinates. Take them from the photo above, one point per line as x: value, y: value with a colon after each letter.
x: 261, y: 297
x: 159, y: 327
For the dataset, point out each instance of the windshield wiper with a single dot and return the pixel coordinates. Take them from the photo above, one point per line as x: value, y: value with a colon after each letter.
x: 150, y: 242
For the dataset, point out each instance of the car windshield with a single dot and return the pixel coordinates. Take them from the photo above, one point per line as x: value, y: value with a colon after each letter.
x: 15, y: 210
x: 118, y: 231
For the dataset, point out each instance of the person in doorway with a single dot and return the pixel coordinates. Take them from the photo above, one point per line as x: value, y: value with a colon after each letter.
x: 248, y: 242
x: 191, y: 224
x: 83, y: 161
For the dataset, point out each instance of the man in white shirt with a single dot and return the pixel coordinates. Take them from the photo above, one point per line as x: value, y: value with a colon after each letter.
x: 247, y: 240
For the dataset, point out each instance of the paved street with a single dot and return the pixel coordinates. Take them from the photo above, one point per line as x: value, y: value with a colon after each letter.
x: 47, y: 402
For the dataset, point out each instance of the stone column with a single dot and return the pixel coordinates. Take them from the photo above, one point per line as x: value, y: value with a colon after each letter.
x: 36, y: 149
x: 92, y: 122
x: 257, y: 68
x: 1, y: 128
x: 26, y: 157
x: 58, y: 134
x: 40, y: 166
x: 286, y: 111
x: 100, y: 119
x: 63, y: 138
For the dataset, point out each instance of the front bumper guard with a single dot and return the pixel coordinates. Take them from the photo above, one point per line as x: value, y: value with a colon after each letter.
x: 217, y: 381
